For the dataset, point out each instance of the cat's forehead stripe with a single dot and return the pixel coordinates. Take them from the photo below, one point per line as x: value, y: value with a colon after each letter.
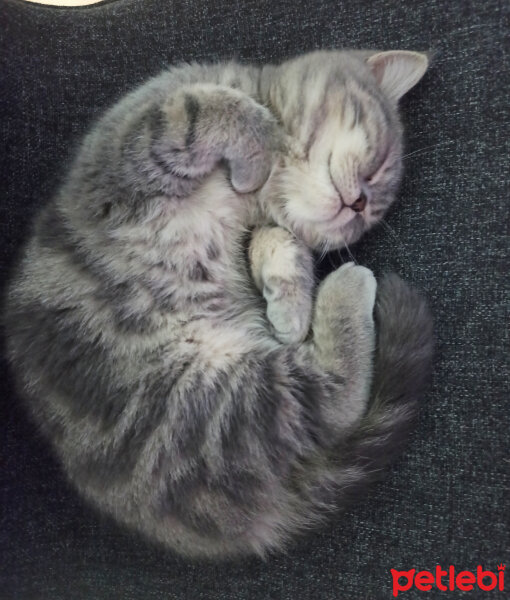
x: 311, y: 102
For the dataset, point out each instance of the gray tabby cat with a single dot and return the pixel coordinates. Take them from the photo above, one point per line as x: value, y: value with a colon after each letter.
x: 162, y: 324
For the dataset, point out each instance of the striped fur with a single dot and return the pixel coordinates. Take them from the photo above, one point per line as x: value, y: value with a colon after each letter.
x: 161, y: 324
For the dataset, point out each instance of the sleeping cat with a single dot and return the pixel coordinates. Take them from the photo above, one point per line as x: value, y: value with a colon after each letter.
x: 163, y: 323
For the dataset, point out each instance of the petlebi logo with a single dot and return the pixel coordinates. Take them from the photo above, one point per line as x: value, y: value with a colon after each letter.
x: 449, y: 579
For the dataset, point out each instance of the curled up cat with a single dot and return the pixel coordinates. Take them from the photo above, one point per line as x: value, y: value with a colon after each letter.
x: 163, y: 323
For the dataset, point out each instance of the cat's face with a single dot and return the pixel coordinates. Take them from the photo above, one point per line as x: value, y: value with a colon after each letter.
x: 345, y: 160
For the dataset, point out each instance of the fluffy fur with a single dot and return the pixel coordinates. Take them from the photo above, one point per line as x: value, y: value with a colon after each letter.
x: 161, y: 322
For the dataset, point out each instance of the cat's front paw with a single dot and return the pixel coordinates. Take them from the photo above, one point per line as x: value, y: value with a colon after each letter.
x: 289, y: 310
x: 253, y: 155
x: 248, y: 176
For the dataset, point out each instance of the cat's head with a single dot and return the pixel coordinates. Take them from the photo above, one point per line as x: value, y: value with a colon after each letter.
x: 340, y: 110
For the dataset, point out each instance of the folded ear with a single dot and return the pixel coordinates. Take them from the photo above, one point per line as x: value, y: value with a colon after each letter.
x: 397, y: 71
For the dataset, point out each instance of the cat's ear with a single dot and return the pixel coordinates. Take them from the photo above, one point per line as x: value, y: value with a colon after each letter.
x: 397, y: 71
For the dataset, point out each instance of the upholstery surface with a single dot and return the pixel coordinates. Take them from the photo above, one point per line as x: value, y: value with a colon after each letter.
x: 446, y: 501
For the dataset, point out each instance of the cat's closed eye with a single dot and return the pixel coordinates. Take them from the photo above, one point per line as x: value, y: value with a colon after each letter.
x: 379, y: 169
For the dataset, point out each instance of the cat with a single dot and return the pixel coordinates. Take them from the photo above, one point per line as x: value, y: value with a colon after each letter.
x: 163, y: 322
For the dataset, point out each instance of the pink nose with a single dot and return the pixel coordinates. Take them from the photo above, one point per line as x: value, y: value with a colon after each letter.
x: 359, y: 204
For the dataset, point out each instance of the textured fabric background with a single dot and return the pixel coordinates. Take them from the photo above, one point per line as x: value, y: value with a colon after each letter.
x: 447, y: 500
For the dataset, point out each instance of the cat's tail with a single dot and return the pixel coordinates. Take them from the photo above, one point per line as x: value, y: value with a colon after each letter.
x: 403, y: 360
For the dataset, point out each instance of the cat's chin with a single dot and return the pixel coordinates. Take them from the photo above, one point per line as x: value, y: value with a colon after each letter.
x: 331, y: 236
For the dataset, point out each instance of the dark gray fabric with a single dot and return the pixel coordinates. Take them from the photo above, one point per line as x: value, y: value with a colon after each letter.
x: 447, y: 500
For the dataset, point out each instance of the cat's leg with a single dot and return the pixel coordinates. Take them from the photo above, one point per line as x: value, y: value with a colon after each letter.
x: 344, y: 339
x: 282, y: 269
x: 175, y: 141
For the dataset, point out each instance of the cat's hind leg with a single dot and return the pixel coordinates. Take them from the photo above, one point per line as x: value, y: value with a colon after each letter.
x: 344, y: 340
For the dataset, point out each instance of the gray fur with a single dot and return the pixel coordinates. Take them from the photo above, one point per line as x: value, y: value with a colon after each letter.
x: 203, y: 399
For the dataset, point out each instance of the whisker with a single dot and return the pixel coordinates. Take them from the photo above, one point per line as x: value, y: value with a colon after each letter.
x: 420, y: 150
x: 350, y: 253
x: 322, y: 251
x: 332, y: 263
